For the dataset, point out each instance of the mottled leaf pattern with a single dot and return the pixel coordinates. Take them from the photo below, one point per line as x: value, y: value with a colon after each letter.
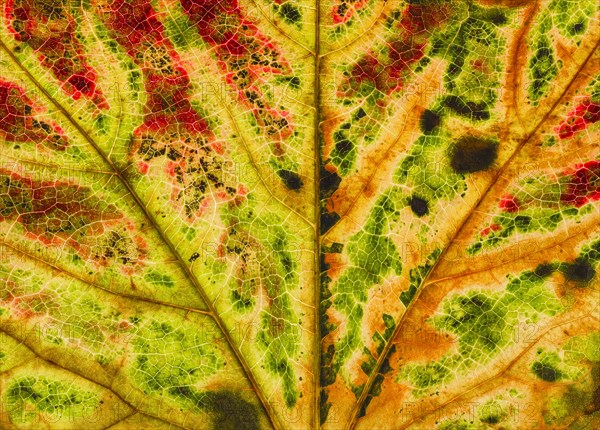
x: 296, y: 215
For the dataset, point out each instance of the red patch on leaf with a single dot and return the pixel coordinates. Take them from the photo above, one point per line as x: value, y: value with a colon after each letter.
x: 244, y: 55
x: 387, y: 71
x: 346, y: 9
x: 578, y: 119
x: 172, y: 128
x: 491, y: 228
x: 509, y: 204
x: 584, y: 184
x: 18, y: 124
x: 143, y: 167
x: 50, y: 31
x: 23, y: 304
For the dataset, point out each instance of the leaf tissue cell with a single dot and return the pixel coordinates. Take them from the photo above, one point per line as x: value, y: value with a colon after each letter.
x: 299, y: 214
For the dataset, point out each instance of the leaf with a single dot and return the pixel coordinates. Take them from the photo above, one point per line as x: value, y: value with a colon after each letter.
x: 288, y: 214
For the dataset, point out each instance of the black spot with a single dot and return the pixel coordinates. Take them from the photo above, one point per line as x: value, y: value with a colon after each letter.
x: 328, y: 220
x: 324, y: 326
x: 545, y: 372
x: 241, y: 301
x: 290, y: 13
x: 327, y: 376
x: 385, y: 365
x: 324, y: 407
x: 472, y: 154
x: 178, y: 391
x: 329, y: 181
x: 287, y: 263
x: 429, y: 121
x: 497, y: 16
x: 419, y: 206
x: 290, y: 179
x: 544, y: 269
x: 342, y: 145
x: 579, y: 271
x: 475, y: 111
x: 294, y: 82
x: 23, y: 389
x: 360, y: 113
x: 334, y: 248
x: 365, y: 404
x: 577, y: 28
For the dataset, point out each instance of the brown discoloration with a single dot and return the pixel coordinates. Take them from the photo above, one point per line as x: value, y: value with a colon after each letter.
x: 514, y: 92
x: 369, y: 190
x: 504, y: 375
x: 420, y: 341
x: 336, y: 263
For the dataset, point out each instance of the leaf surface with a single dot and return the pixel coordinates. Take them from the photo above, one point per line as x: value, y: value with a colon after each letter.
x: 292, y: 215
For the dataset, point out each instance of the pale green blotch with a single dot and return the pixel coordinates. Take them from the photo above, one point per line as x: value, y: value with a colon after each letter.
x: 180, y: 30
x: 460, y: 424
x: 48, y: 396
x: 168, y: 358
x: 271, y: 248
x: 484, y: 323
x: 569, y: 362
x: 494, y: 411
x: 159, y: 279
x: 584, y: 347
x: 427, y: 171
x: 593, y: 89
x: 417, y: 274
x: 373, y: 256
x: 543, y: 66
x: 572, y: 16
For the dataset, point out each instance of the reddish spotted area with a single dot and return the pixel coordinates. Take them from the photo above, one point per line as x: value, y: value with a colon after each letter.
x: 22, y: 304
x: 509, y: 204
x: 135, y: 26
x: 583, y: 186
x: 491, y: 228
x: 579, y: 119
x: 577, y: 187
x: 18, y: 122
x: 49, y: 29
x: 172, y: 128
x: 386, y: 70
x: 58, y: 213
x: 346, y: 9
x: 247, y: 58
